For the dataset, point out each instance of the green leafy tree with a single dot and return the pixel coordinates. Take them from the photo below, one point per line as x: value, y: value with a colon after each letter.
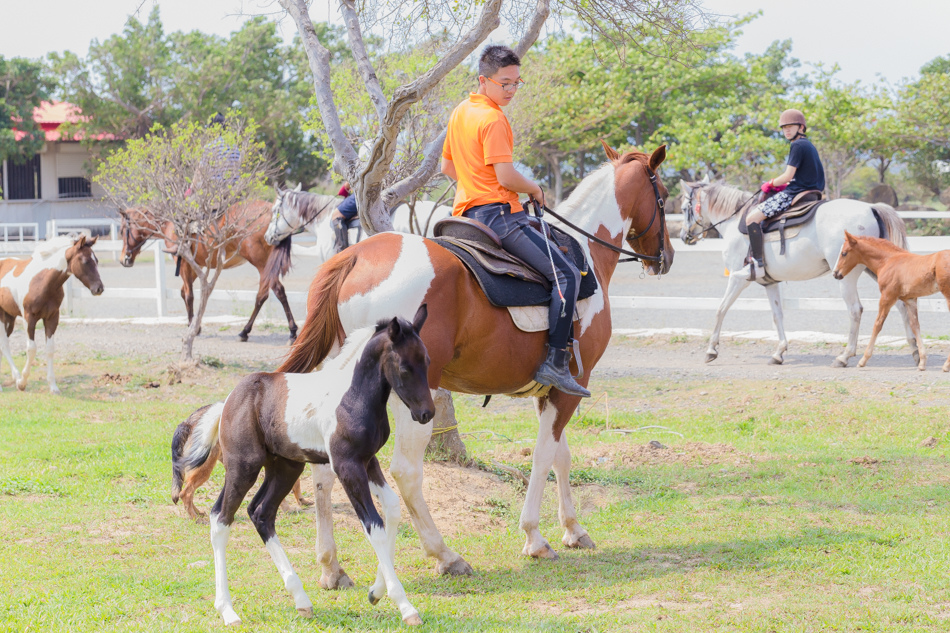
x: 183, y: 175
x: 926, y: 124
x: 23, y: 85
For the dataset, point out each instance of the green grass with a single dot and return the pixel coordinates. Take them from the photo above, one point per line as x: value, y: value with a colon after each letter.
x: 783, y: 507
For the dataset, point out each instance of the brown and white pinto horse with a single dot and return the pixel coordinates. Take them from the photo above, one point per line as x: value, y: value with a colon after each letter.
x: 901, y: 276
x: 336, y: 416
x: 474, y: 346
x: 139, y: 226
x: 32, y: 288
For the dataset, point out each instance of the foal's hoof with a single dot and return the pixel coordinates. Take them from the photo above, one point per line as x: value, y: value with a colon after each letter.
x: 839, y: 363
x: 413, y: 620
x: 373, y: 598
x: 711, y: 357
x: 303, y: 503
x: 305, y: 612
x: 584, y: 542
x: 776, y: 361
x: 21, y: 385
x: 458, y: 567
x: 545, y: 553
x: 336, y: 581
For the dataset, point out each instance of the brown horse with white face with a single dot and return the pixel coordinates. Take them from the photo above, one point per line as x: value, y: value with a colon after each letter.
x: 139, y: 226
x: 32, y: 288
x: 475, y: 347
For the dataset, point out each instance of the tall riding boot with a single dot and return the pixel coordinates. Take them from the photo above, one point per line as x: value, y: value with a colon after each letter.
x: 555, y: 371
x: 342, y: 233
x: 756, y: 243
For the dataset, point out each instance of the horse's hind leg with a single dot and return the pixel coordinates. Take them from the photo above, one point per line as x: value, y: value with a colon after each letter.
x: 737, y: 283
x: 914, y: 323
x: 332, y: 576
x: 5, y: 331
x: 49, y: 325
x: 279, y: 477
x: 282, y: 297
x: 262, y: 292
x: 30, y: 352
x: 849, y: 292
x: 406, y: 468
x: 574, y: 533
x: 775, y: 302
x: 188, y: 291
x: 908, y: 310
x: 355, y: 480
x: 197, y: 478
x: 237, y: 481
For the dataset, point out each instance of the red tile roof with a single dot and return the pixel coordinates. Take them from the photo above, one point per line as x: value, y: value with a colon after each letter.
x: 52, y: 114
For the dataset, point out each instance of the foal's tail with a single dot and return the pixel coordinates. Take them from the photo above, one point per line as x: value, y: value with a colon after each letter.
x: 278, y: 262
x: 192, y: 443
x: 322, y: 328
x: 895, y: 231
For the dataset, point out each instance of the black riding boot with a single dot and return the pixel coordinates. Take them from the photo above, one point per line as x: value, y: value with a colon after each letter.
x: 342, y: 234
x: 756, y: 243
x: 555, y: 371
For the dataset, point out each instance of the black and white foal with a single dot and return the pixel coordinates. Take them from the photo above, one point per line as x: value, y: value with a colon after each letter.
x: 336, y: 415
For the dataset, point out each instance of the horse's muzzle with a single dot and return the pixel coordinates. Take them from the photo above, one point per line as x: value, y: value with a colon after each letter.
x: 97, y: 289
x: 423, y: 416
x: 837, y: 275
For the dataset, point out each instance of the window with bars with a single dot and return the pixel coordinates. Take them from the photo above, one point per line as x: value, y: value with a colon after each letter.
x: 77, y: 187
x: 23, y: 179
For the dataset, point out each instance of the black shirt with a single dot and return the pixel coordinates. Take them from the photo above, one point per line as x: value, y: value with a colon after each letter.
x: 809, y: 174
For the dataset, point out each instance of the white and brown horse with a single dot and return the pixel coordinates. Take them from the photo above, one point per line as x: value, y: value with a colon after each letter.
x: 139, y: 226
x: 335, y: 416
x: 476, y: 347
x: 32, y: 288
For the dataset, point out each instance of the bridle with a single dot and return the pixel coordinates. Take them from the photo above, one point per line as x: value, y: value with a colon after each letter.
x: 278, y: 215
x: 692, y: 215
x: 658, y: 211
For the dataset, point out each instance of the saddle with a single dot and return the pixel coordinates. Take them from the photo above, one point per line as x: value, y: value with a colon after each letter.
x: 506, y: 280
x: 802, y: 210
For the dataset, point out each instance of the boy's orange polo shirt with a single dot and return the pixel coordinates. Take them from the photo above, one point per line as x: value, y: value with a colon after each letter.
x: 479, y: 136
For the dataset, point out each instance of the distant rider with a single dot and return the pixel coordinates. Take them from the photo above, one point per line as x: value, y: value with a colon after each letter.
x: 803, y: 172
x: 478, y: 154
x: 341, y: 217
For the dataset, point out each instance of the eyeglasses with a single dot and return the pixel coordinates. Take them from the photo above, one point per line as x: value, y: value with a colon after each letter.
x: 507, y: 87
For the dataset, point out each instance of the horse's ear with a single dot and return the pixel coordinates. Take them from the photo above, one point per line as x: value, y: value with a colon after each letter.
x: 419, y: 320
x: 278, y: 190
x: 611, y: 152
x: 705, y: 178
x: 123, y: 213
x: 850, y: 238
x: 80, y: 241
x: 394, y: 330
x: 299, y: 186
x: 91, y: 242
x: 657, y: 157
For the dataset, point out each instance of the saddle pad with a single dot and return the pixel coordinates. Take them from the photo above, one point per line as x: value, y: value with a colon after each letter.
x: 775, y: 236
x: 535, y: 318
x: 506, y: 290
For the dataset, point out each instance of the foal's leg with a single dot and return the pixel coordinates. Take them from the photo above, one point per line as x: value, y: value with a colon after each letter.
x: 914, y: 324
x: 30, y: 352
x: 196, y: 478
x: 5, y: 331
x: 49, y: 325
x: 332, y: 576
x: 775, y: 302
x: 737, y: 283
x: 884, y: 306
x: 392, y: 514
x: 355, y: 482
x: 849, y: 292
x: 279, y: 477
x: 237, y: 481
x: 574, y: 533
x: 406, y: 468
x: 545, y: 449
x: 908, y: 310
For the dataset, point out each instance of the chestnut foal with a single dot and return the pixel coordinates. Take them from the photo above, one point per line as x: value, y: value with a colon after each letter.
x: 901, y: 276
x: 336, y: 415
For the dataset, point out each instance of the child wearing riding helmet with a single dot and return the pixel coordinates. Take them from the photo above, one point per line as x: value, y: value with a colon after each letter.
x: 803, y: 172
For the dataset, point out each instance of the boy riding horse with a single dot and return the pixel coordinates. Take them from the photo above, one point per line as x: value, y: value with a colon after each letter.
x: 478, y: 154
x: 803, y: 172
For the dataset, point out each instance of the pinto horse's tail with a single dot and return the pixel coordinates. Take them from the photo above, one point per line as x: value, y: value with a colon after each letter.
x: 322, y: 328
x: 193, y: 443
x: 278, y: 262
x: 895, y: 231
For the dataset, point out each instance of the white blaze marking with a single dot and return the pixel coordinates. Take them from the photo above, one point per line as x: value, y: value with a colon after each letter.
x: 400, y: 294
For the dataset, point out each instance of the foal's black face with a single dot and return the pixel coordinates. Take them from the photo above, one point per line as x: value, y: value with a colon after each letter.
x: 406, y: 366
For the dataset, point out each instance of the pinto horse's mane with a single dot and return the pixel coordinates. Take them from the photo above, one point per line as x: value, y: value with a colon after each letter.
x: 722, y: 201
x: 310, y: 205
x: 54, y: 245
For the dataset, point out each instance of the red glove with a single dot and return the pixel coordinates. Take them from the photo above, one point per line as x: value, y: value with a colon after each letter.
x: 768, y: 187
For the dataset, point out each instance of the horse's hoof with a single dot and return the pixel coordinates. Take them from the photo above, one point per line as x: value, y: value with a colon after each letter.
x: 242, y: 337
x: 711, y: 357
x: 584, y: 542
x: 839, y: 363
x: 946, y: 368
x: 413, y: 620
x: 862, y: 363
x: 545, y: 553
x: 922, y: 367
x: 21, y: 386
x: 341, y: 581
x: 776, y: 361
x: 458, y: 567
x: 305, y: 612
x: 55, y: 391
x: 304, y: 502
x: 373, y: 599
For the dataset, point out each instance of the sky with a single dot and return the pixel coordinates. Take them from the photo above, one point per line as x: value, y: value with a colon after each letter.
x: 868, y: 39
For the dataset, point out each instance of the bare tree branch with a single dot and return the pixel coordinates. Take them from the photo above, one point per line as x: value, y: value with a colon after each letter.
x: 530, y: 36
x: 430, y: 165
x: 358, y: 46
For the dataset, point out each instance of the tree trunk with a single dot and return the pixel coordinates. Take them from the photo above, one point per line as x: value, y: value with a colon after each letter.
x: 446, y: 443
x: 554, y: 164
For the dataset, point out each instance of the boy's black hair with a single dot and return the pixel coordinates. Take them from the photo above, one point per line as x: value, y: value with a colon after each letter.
x: 495, y: 57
